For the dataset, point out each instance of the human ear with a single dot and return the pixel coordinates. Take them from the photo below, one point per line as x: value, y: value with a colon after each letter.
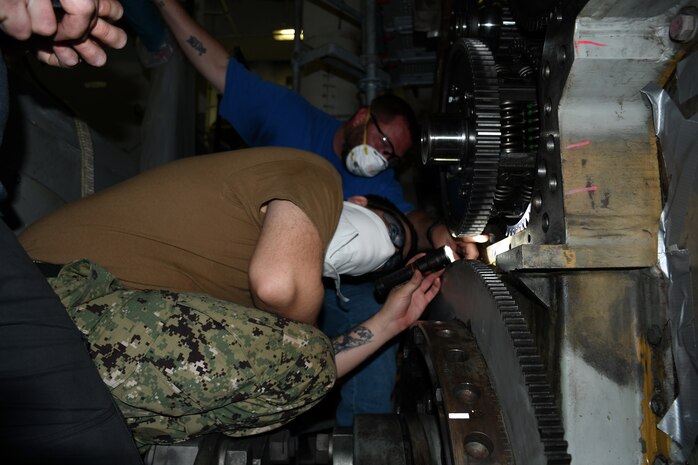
x: 360, y: 117
x: 358, y: 200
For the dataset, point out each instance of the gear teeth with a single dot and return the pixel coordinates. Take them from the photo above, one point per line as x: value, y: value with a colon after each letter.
x: 533, y: 368
x: 529, y: 359
x: 555, y: 446
x: 550, y: 426
x: 526, y: 352
x: 524, y: 343
x: 550, y: 420
x: 545, y: 397
x: 521, y: 337
x: 559, y: 459
x: 534, y: 378
x: 484, y: 107
x: 553, y: 433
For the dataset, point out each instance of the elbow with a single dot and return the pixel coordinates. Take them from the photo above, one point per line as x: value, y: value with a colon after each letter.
x: 219, y: 74
x: 273, y: 294
x: 285, y: 297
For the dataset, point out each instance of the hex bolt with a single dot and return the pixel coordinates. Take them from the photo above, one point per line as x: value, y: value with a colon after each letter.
x: 654, y: 335
x: 657, y: 405
x: 684, y: 26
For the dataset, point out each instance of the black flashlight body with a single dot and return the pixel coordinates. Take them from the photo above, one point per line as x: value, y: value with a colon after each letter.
x: 434, y: 260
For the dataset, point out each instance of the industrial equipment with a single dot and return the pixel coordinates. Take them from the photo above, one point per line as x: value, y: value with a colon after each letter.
x: 574, y: 341
x: 566, y: 129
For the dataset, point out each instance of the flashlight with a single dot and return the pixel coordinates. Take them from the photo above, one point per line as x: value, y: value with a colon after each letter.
x: 434, y: 260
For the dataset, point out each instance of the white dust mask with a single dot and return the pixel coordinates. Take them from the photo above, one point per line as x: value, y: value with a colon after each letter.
x: 361, y: 244
x: 364, y: 160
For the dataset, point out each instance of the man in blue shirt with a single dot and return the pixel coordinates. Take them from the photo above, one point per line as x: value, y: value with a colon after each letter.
x: 363, y: 149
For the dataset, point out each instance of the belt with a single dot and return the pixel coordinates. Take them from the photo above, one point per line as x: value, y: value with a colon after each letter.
x: 49, y: 270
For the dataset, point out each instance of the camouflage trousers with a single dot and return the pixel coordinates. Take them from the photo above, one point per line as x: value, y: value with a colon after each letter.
x: 182, y: 364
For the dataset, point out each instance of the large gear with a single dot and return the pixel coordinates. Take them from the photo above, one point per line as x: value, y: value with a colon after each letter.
x: 479, y: 298
x: 473, y: 388
x: 471, y: 94
x: 486, y: 136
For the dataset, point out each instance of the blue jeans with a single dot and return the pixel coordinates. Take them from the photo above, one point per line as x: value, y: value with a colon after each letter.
x: 368, y: 389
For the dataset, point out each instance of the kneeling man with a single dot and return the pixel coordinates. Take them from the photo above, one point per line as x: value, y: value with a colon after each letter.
x: 197, y: 285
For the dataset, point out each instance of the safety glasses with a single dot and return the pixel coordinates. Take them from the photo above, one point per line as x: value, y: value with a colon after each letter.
x: 397, y: 233
x: 388, y: 147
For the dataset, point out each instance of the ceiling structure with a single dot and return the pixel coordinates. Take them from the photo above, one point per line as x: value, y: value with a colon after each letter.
x: 248, y: 24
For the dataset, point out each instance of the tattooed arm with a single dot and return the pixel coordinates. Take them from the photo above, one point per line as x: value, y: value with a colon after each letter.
x: 403, y: 307
x: 204, y: 52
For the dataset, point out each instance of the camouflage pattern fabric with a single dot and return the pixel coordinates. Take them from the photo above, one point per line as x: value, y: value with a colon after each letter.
x: 181, y: 364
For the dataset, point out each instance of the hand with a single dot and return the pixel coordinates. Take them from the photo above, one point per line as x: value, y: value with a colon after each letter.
x: 80, y: 33
x: 22, y: 18
x: 405, y: 304
x: 465, y: 247
x: 403, y: 307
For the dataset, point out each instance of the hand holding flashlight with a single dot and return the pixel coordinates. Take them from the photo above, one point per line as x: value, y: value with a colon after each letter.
x: 434, y: 260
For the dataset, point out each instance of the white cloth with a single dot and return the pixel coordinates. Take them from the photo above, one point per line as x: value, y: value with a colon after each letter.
x: 361, y: 244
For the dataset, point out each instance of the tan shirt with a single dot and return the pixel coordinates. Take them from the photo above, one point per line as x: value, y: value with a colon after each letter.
x: 191, y: 225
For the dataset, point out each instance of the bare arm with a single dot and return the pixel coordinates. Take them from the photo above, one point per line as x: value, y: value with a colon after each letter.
x: 403, y: 307
x: 286, y: 267
x: 204, y: 52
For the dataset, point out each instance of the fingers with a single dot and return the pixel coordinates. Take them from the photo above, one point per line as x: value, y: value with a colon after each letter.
x: 418, y: 281
x: 19, y: 19
x: 413, y: 284
x: 469, y: 251
x: 93, y: 18
x: 431, y: 284
x: 67, y: 56
x: 43, y: 19
x: 432, y: 291
x: 82, y: 32
x: 64, y: 56
x: 78, y: 19
x: 80, y: 7
x: 108, y: 34
x: 110, y: 10
x: 18, y: 26
x: 91, y: 52
x: 97, y: 32
x: 468, y: 246
x: 432, y: 277
x: 416, y: 257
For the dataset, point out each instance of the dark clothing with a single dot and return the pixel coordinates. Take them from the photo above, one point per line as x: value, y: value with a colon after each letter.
x: 54, y: 407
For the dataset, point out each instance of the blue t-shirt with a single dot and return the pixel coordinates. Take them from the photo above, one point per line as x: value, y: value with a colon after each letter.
x: 266, y: 114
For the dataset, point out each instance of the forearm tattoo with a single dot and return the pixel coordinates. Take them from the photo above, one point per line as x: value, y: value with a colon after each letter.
x: 356, y: 337
x: 196, y: 45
